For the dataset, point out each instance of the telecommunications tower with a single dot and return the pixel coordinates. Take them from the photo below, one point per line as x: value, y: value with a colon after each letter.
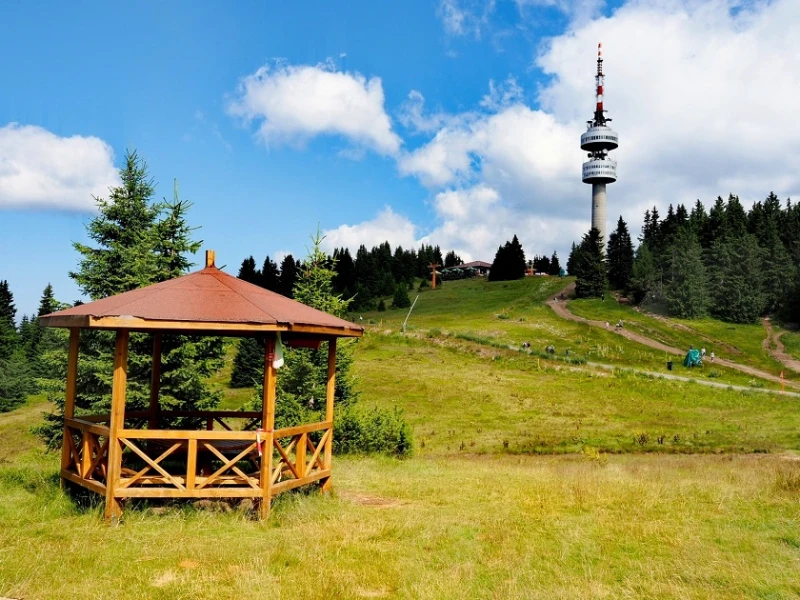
x: 598, y: 141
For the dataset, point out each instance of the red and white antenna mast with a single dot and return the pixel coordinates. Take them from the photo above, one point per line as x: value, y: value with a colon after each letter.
x: 599, y: 114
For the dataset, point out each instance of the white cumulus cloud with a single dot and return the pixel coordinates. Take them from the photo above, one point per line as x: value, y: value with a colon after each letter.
x: 41, y: 169
x: 294, y: 103
x: 389, y: 226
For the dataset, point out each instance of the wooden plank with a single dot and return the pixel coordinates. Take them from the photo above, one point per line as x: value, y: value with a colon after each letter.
x: 179, y: 434
x: 86, y: 453
x: 290, y: 484
x: 232, y: 492
x: 138, y: 324
x: 318, y: 449
x: 89, y: 484
x: 222, y: 414
x: 155, y: 381
x: 300, y: 455
x: 113, y: 509
x: 298, y: 429
x: 102, y: 452
x: 71, y: 392
x: 191, y: 464
x: 268, y: 423
x: 286, y: 459
x: 82, y: 425
x: 330, y: 393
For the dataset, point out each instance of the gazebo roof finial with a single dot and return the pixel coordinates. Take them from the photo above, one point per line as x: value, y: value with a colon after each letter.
x: 210, y: 255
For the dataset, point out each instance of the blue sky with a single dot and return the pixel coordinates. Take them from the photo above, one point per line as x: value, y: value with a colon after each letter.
x: 453, y: 122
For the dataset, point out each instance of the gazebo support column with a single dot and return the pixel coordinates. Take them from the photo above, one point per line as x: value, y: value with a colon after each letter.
x: 268, y: 425
x: 70, y: 393
x: 113, y: 508
x: 327, y: 484
x: 155, y: 381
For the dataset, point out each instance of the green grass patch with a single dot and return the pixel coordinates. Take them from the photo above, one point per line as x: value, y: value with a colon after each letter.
x: 462, y: 400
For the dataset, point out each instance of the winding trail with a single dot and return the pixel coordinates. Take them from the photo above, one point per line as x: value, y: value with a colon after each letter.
x: 560, y: 308
x: 779, y: 353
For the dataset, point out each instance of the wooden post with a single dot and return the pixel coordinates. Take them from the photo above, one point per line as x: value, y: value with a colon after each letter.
x: 327, y: 484
x: 71, y: 392
x: 113, y: 509
x: 432, y: 267
x: 268, y: 425
x: 155, y: 381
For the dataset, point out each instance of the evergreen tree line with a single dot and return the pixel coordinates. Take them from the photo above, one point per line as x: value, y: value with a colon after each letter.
x: 509, y: 262
x: 548, y: 266
x: 372, y: 275
x: 24, y: 349
x: 734, y: 264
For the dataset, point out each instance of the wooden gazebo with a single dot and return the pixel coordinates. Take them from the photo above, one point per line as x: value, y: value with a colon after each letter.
x: 114, y: 455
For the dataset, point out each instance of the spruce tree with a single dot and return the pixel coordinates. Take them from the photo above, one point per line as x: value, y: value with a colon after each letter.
x: 620, y: 257
x: 686, y: 290
x: 401, y: 299
x: 9, y: 340
x: 248, y: 272
x: 644, y: 276
x: 288, y: 276
x: 555, y: 266
x: 590, y: 266
x: 138, y: 242
x: 270, y: 276
x: 736, y: 279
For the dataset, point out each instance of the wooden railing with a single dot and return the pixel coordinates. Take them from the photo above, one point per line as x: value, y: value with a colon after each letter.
x: 85, y: 456
x: 219, y: 461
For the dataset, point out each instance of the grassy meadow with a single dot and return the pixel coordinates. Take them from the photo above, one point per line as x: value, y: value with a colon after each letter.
x: 531, y: 478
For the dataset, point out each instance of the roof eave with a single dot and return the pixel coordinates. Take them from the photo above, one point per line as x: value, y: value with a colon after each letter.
x: 220, y: 327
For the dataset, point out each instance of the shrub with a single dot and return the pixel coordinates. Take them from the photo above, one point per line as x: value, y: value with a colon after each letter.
x: 371, y: 432
x: 381, y: 306
x: 401, y: 299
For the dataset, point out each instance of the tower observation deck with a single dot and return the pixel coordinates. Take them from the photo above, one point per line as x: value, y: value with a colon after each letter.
x: 598, y: 140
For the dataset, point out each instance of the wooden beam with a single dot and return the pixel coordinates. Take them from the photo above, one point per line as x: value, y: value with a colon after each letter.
x: 191, y: 464
x: 155, y: 380
x: 89, y: 484
x: 84, y: 425
x: 290, y: 484
x: 113, y: 510
x: 228, y: 492
x: 293, y: 431
x: 219, y: 327
x: 268, y: 425
x: 330, y: 392
x: 179, y: 434
x: 71, y: 392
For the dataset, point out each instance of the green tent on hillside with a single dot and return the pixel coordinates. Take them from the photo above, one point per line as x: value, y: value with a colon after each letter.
x: 693, y: 358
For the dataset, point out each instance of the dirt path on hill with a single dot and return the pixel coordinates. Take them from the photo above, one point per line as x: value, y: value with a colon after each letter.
x: 559, y: 306
x: 779, y: 353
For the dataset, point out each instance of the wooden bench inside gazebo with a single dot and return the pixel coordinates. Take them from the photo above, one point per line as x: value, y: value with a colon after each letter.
x: 238, y: 454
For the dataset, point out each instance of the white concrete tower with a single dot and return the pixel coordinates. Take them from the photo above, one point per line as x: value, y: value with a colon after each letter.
x: 598, y: 141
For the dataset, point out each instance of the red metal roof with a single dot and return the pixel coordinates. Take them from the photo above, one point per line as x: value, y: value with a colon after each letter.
x: 207, y: 299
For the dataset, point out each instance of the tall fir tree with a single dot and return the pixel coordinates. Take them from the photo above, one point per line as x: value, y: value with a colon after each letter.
x: 555, y: 266
x: 736, y: 279
x: 288, y: 276
x: 620, y: 257
x: 248, y: 271
x: 270, y: 278
x: 644, y: 282
x: 686, y: 289
x: 8, y: 325
x: 590, y: 266
x: 138, y: 242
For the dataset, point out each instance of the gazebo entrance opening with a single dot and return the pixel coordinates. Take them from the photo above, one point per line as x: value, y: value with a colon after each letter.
x: 232, y: 454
